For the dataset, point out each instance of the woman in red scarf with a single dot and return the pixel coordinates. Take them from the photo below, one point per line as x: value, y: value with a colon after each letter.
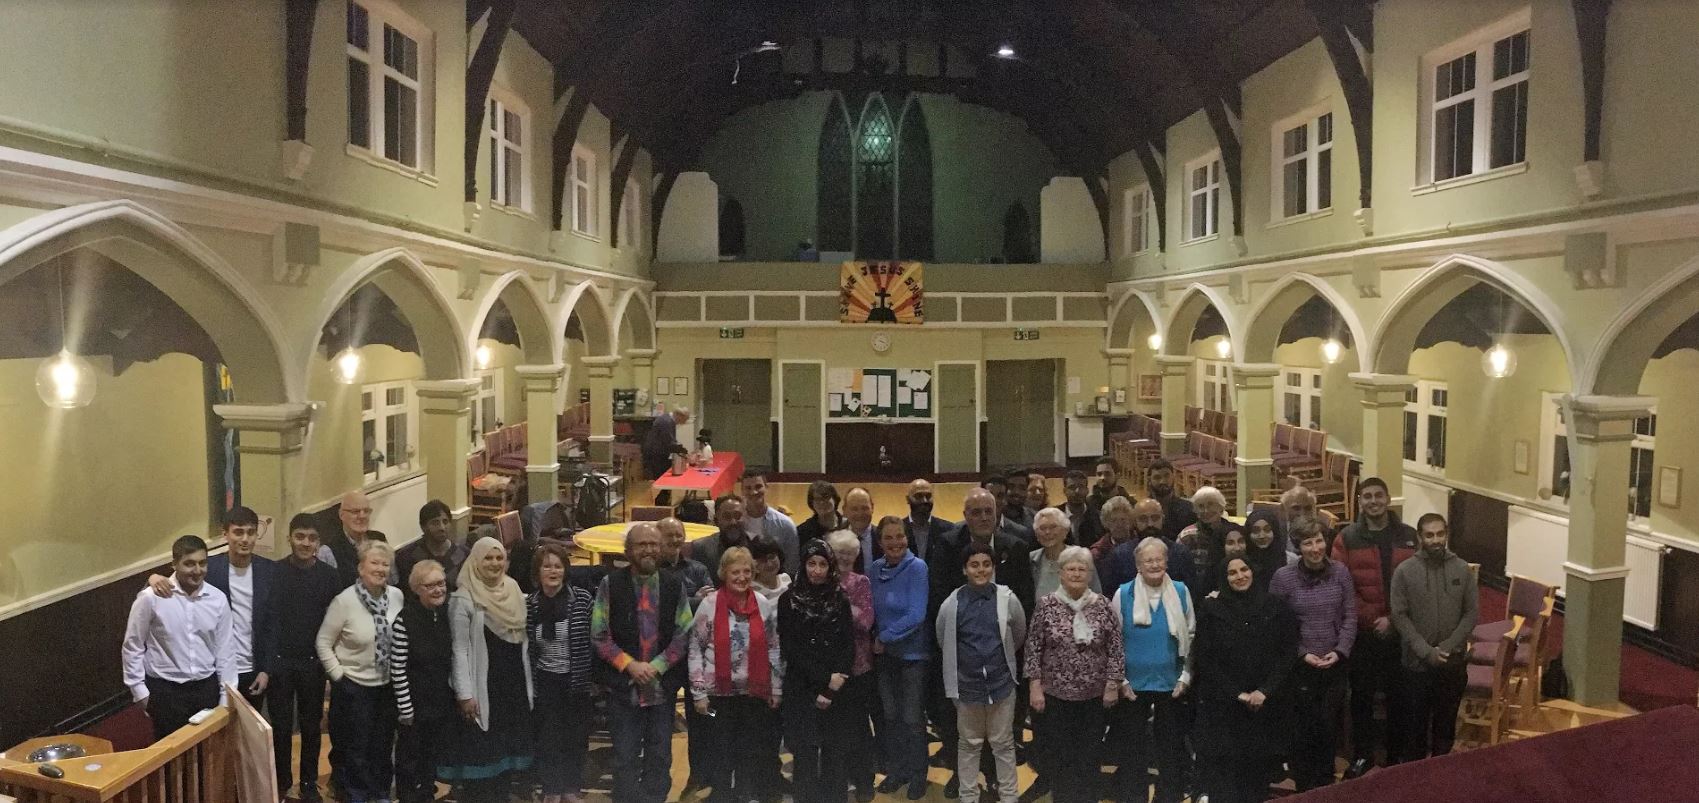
x: 735, y: 676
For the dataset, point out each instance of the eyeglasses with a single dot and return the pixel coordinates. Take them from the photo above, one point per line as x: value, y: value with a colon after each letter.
x: 357, y: 511
x: 438, y: 584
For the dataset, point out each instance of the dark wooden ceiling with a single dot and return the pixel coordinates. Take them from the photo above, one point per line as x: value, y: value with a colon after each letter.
x: 1091, y: 78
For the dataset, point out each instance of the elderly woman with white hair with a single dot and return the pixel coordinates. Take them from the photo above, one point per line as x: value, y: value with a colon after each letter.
x: 354, y: 644
x: 1052, y: 527
x: 860, y: 696
x: 1075, y: 664
x: 1207, y: 537
x: 1157, y: 624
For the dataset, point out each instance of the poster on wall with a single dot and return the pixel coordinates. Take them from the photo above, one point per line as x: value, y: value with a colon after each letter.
x: 881, y: 292
x: 878, y: 393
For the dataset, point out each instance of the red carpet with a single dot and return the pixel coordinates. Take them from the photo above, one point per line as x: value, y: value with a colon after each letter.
x: 1640, y: 758
x: 1648, y: 681
x: 129, y: 729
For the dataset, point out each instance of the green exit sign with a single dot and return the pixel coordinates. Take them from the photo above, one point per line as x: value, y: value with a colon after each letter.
x: 1026, y: 334
x: 731, y: 333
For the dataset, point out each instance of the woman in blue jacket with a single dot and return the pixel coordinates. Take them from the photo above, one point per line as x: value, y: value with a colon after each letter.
x: 901, y: 649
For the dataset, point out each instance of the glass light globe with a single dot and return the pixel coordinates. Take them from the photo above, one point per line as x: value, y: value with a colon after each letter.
x: 65, y: 381
x: 1498, y: 362
x: 484, y: 355
x: 1331, y: 351
x: 348, y: 367
x: 1155, y: 342
x: 1224, y: 348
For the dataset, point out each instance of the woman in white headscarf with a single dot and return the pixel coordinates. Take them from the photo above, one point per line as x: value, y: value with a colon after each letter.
x: 491, y: 682
x: 1074, y: 662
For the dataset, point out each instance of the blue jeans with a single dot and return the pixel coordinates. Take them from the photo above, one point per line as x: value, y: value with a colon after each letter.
x: 643, y: 754
x: 902, y: 692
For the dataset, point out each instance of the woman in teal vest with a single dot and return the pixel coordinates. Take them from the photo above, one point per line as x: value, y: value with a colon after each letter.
x: 1157, y: 625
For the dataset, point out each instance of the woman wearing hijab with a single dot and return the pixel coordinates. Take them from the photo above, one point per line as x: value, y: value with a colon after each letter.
x: 1265, y: 547
x: 1247, y: 643
x: 817, y: 637
x: 558, y: 624
x: 858, y: 702
x: 736, y: 676
x: 1074, y: 659
x: 492, y: 684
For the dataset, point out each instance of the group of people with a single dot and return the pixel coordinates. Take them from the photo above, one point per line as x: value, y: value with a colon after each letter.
x: 1158, y: 634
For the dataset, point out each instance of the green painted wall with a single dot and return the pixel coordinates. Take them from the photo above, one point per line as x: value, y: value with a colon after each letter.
x: 150, y: 488
x: 982, y: 161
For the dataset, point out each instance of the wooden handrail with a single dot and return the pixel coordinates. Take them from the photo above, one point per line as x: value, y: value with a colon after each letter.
x: 196, y: 763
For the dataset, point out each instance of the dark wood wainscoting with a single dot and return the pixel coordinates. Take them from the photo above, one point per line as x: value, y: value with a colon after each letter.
x: 852, y: 448
x: 1480, y: 528
x: 62, y: 659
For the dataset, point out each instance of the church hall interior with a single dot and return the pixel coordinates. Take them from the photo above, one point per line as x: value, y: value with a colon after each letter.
x: 464, y: 276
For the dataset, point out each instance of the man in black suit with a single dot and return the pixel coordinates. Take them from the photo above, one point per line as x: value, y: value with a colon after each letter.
x: 925, y: 531
x: 247, y: 581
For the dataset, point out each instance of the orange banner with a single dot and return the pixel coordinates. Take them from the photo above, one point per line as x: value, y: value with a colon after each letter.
x: 881, y: 292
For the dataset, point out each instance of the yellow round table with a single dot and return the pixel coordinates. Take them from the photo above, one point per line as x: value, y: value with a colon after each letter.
x: 608, y: 540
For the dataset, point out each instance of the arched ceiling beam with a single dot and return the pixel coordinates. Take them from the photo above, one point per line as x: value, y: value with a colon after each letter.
x: 565, y: 136
x: 616, y: 183
x: 480, y: 71
x: 1347, y: 31
x: 1590, y: 19
x: 298, y: 48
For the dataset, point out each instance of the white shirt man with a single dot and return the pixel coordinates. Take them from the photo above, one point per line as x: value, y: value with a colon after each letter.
x: 177, y: 651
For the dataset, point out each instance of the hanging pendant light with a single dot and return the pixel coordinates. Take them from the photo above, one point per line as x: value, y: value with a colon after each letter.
x: 1154, y: 341
x: 483, y: 356
x: 1224, y: 348
x: 1499, y: 362
x: 349, y: 368
x: 1331, y: 351
x: 64, y: 381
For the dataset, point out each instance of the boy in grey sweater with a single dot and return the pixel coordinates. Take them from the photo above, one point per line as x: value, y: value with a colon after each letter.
x: 1434, y: 607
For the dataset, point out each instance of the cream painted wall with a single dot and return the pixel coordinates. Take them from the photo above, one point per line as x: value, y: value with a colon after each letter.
x: 1670, y: 381
x: 334, y: 451
x: 503, y: 359
x: 113, y: 483
x: 1651, y: 97
x: 1341, y: 402
x: 1189, y: 140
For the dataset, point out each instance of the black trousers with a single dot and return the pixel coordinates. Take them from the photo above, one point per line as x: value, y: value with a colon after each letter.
x: 747, y: 733
x: 563, y: 732
x: 860, y: 699
x: 1375, y: 667
x: 295, y: 698
x: 1152, y: 725
x: 417, y: 749
x: 1069, y: 737
x: 170, y: 705
x: 700, y: 748
x: 362, y: 738
x: 1316, y: 695
x: 1432, y: 698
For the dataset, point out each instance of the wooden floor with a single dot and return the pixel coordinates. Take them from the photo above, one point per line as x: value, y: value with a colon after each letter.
x: 889, y: 498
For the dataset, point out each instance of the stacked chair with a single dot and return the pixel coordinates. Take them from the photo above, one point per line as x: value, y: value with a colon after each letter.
x: 1529, y: 610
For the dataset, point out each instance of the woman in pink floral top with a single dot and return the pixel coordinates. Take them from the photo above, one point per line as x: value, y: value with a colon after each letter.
x: 858, y: 694
x: 1075, y: 662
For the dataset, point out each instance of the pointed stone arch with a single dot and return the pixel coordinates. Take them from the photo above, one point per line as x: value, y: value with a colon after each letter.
x: 1131, y: 309
x: 247, y: 333
x: 405, y: 279
x: 632, y: 312
x: 1177, y: 333
x: 537, y: 337
x: 1262, y: 329
x: 1405, y: 317
x: 586, y: 300
x: 1631, y: 339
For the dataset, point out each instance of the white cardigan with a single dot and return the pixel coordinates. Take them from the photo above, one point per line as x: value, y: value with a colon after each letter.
x: 1011, y: 620
x: 471, y: 676
x: 347, y: 642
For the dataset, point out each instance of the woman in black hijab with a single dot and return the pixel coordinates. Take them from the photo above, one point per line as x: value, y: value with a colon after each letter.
x: 1265, y: 546
x: 1247, y: 643
x: 816, y: 637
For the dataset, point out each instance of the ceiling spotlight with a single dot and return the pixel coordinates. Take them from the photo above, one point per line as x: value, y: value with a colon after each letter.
x: 1331, y: 351
x: 1224, y: 348
x: 1499, y: 362
x: 1155, y: 342
x: 767, y: 46
x: 1005, y: 51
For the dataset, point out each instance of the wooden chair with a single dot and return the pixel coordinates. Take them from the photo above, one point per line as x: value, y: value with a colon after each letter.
x: 1531, y: 604
x: 1486, y: 698
x: 508, y: 529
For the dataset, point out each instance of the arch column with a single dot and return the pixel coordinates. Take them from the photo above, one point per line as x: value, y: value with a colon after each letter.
x: 542, y: 469
x: 1120, y: 376
x: 1601, y: 431
x: 1383, y: 428
x: 643, y: 368
x: 270, y: 450
x: 446, y: 408
x: 1253, y: 384
x: 599, y: 373
x: 1175, y: 372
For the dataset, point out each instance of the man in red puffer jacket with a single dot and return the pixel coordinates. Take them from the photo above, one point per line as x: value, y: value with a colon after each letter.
x: 1371, y: 547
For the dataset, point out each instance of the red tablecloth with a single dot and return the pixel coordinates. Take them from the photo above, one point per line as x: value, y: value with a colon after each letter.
x: 717, y: 478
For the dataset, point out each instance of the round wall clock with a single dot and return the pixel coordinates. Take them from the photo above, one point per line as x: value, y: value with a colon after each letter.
x: 881, y: 342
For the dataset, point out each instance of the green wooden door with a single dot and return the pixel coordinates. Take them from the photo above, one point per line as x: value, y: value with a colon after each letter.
x: 800, y: 449
x: 956, y: 406
x: 737, y: 404
x: 1020, y: 412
